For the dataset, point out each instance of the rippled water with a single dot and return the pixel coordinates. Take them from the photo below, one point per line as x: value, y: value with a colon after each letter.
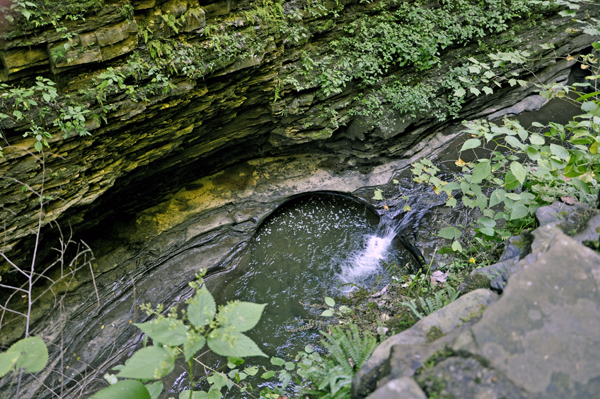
x: 312, y: 247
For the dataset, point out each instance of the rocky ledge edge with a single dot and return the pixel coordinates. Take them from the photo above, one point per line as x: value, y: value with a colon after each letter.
x: 538, y: 339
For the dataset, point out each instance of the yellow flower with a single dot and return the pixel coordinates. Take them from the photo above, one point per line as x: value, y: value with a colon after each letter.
x: 472, y: 260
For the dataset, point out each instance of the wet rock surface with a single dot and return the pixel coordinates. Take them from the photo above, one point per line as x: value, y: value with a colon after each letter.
x: 539, y: 339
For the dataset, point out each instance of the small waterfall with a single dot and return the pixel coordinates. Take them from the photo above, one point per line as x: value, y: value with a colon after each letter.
x: 365, y: 264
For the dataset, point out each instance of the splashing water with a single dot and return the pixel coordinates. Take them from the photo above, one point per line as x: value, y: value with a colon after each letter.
x: 365, y: 264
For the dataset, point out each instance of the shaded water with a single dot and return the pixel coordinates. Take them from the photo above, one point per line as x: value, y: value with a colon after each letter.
x: 312, y: 247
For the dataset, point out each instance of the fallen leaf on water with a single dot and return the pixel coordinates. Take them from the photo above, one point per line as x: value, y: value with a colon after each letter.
x: 387, y: 208
x: 460, y: 162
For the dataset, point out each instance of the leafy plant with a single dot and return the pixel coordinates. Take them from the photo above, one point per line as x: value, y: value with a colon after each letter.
x: 432, y: 303
x: 332, y: 375
x: 182, y: 336
x: 331, y: 310
x: 524, y: 169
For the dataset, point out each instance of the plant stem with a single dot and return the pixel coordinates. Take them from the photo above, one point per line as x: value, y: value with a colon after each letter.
x: 191, y: 364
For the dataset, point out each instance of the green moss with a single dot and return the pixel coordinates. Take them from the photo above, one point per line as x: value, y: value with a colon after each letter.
x: 473, y: 314
x: 475, y: 281
x: 434, y: 334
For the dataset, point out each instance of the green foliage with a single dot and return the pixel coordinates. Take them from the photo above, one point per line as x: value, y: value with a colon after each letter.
x: 430, y: 304
x: 405, y: 34
x: 29, y: 15
x: 34, y: 105
x: 27, y: 354
x: 330, y: 311
x: 175, y: 337
x: 332, y: 375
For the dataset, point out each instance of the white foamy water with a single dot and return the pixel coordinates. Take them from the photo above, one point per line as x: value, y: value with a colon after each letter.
x: 365, y: 263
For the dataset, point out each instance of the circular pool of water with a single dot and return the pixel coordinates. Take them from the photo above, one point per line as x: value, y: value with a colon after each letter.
x: 312, y: 246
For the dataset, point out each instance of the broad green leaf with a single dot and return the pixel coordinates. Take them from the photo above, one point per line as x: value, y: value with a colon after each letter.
x: 497, y: 197
x: 481, y: 202
x: 536, y: 124
x: 166, y: 331
x: 460, y: 92
x: 518, y: 212
x: 577, y: 182
x: 241, y: 315
x: 277, y: 361
x: 514, y: 142
x: 127, y: 389
x: 567, y: 13
x: 7, y: 362
x: 536, y: 139
x: 195, y: 395
x: 285, y: 378
x: 192, y: 346
x: 451, y: 202
x: 38, y: 146
x: 202, y: 308
x: 503, y: 130
x: 533, y: 154
x: 235, y: 361
x: 481, y: 171
x: 290, y: 366
x: 267, y: 375
x: 450, y: 233
x: 327, y: 313
x: 232, y: 344
x: 30, y: 354
x: 560, y: 151
x: 511, y: 181
x: 474, y: 90
x: 214, y: 394
x: 217, y: 380
x: 518, y: 171
x: 155, y: 389
x: 488, y: 231
x: 486, y: 222
x: 456, y: 246
x: 251, y: 370
x: 589, y: 106
x: 378, y: 195
x: 329, y: 301
x: 513, y: 196
x: 150, y: 363
x: 471, y: 143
